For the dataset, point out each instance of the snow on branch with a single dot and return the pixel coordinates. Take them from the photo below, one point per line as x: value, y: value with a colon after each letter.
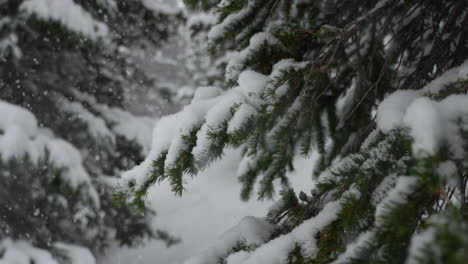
x: 187, y: 141
x: 276, y: 251
x: 251, y: 231
x: 431, y: 122
x: 219, y: 31
x: 112, y: 121
x: 21, y: 136
x: 238, y: 60
x: 22, y: 252
x: 69, y: 14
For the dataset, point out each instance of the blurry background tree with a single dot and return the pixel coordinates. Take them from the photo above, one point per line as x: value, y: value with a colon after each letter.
x: 378, y: 88
x: 68, y: 69
x: 203, y: 66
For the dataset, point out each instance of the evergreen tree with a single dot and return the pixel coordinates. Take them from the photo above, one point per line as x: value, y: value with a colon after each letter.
x: 378, y: 88
x: 206, y: 70
x: 65, y: 68
x: 201, y: 67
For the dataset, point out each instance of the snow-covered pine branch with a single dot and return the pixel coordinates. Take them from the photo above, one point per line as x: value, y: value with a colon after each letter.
x: 378, y: 88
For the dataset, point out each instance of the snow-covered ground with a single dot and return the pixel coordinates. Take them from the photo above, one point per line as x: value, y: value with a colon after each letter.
x: 209, y: 207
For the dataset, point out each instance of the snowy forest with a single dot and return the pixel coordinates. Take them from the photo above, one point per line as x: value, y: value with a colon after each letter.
x: 233, y: 131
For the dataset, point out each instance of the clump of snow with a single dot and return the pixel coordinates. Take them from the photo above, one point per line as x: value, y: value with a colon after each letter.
x: 138, y: 128
x: 162, y: 6
x: 282, y: 90
x: 22, y: 252
x: 346, y: 101
x: 383, y: 189
x: 276, y: 251
x: 246, y: 164
x: 285, y: 119
x: 370, y: 138
x: 392, y: 110
x: 201, y: 18
x: 352, y: 250
x: 426, y: 125
x: 330, y: 175
x: 431, y: 123
x: 219, y: 113
x: 65, y: 155
x: 447, y: 170
x: 419, y: 242
x: 238, y: 257
x: 76, y: 254
x: 404, y: 185
x: 120, y: 122
x: 221, y: 29
x: 250, y: 230
x: 20, y: 136
x: 224, y: 3
x: 17, y: 116
x: 191, y: 117
x: 449, y: 76
x: 286, y: 65
x: 244, y: 112
x: 96, y: 125
x: 251, y: 82
x: 237, y: 61
x: 9, y: 43
x: 277, y: 72
x: 167, y: 136
x: 68, y: 13
x: 206, y: 92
